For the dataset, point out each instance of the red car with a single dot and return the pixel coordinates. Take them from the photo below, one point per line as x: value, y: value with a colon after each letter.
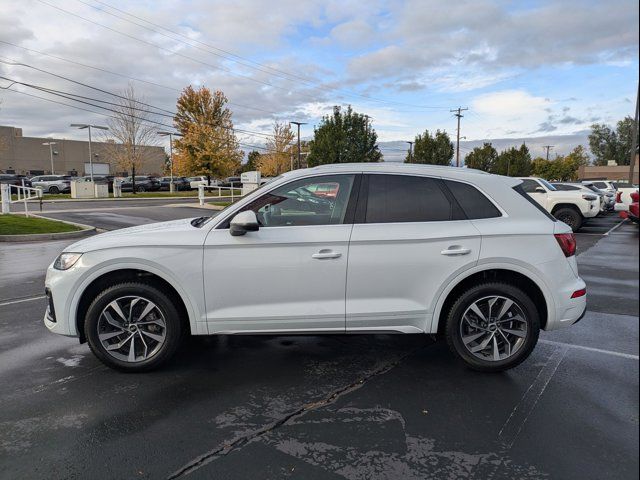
x: 632, y: 213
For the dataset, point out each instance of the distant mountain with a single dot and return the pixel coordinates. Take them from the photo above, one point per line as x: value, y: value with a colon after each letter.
x: 562, y: 144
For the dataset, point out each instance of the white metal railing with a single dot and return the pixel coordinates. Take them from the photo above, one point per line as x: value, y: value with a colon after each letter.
x: 23, y: 194
x: 232, y: 188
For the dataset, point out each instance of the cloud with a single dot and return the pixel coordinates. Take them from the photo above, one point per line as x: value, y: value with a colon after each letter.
x: 509, y: 103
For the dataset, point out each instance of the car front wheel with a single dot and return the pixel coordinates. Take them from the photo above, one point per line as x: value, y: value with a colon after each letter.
x: 569, y: 216
x: 493, y: 327
x: 133, y: 327
x: 54, y: 190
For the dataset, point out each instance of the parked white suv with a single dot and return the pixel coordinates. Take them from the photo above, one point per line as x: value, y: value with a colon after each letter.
x: 570, y: 207
x: 394, y: 248
x: 52, y: 183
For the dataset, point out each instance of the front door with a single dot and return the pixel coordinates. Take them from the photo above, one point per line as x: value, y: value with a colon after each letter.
x: 290, y: 274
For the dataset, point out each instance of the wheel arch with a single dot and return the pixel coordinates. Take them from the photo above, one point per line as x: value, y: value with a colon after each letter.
x: 572, y: 206
x: 513, y: 274
x: 127, y: 273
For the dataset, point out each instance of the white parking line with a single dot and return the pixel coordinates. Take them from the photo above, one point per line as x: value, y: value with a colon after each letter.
x: 592, y: 349
x: 614, y: 227
x: 11, y: 302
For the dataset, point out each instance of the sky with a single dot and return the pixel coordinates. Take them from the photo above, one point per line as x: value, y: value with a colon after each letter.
x: 534, y: 71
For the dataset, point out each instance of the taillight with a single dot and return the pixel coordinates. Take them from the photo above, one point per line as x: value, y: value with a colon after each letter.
x: 567, y: 242
x: 619, y: 197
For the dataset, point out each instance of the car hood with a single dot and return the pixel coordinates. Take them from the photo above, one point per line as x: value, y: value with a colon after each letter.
x: 175, y: 232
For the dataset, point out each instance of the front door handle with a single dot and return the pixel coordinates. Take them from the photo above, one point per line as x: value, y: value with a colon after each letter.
x: 456, y: 250
x: 326, y: 254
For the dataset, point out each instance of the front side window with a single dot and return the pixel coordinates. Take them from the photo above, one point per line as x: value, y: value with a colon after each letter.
x: 304, y: 202
x: 406, y: 198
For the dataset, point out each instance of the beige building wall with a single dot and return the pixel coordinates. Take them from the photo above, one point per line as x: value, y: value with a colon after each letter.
x: 620, y: 172
x: 27, y: 155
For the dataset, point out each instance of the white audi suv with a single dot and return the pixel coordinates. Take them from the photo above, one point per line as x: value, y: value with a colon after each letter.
x: 350, y: 248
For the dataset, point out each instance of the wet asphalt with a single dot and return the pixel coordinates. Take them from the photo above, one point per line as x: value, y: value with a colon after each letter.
x: 333, y: 406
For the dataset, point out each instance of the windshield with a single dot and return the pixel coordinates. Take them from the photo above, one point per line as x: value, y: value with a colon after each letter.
x: 548, y: 185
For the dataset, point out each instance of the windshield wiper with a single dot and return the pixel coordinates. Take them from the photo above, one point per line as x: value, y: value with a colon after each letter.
x: 197, y: 222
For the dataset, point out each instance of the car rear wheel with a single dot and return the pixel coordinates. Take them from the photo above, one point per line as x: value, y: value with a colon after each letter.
x: 140, y: 189
x: 569, y: 216
x: 133, y: 327
x: 493, y: 327
x: 53, y: 189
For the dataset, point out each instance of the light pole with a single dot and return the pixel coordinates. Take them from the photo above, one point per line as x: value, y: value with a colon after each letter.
x: 50, y: 145
x: 410, y: 151
x: 298, y: 124
x: 88, y: 126
x: 170, y: 135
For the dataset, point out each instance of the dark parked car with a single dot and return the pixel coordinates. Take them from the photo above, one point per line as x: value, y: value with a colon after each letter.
x: 12, y: 179
x: 179, y: 183
x: 143, y: 184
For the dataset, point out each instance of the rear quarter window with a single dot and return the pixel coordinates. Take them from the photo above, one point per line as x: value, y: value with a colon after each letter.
x: 520, y: 190
x: 472, y: 201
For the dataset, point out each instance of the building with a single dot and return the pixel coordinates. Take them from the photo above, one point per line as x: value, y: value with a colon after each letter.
x: 28, y: 156
x: 608, y: 172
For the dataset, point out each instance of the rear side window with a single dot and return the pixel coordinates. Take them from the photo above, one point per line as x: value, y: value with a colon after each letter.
x: 521, y: 191
x: 473, y: 202
x: 601, y: 185
x: 405, y: 198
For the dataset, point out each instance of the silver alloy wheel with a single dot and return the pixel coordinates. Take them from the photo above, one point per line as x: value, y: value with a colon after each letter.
x: 494, y: 328
x: 132, y: 329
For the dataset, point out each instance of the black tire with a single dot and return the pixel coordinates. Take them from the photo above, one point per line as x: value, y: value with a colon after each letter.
x: 479, y: 292
x: 173, y: 332
x: 570, y: 216
x: 140, y: 189
x: 53, y: 189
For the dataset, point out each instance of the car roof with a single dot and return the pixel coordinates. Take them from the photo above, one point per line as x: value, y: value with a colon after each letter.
x: 396, y: 167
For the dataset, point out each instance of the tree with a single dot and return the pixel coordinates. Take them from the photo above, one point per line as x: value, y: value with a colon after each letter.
x: 608, y: 144
x: 278, y: 158
x: 482, y: 158
x: 252, y: 161
x: 515, y: 162
x: 562, y: 168
x: 342, y: 138
x: 208, y: 145
x: 131, y: 125
x: 433, y: 150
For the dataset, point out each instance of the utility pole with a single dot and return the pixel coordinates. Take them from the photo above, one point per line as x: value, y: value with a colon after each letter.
x: 50, y: 145
x: 298, y: 124
x: 410, y: 151
x: 170, y: 135
x: 548, y: 147
x: 82, y: 126
x: 634, y: 141
x: 458, y: 113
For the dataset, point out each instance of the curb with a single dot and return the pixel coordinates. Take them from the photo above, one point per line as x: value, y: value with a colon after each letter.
x: 36, y: 237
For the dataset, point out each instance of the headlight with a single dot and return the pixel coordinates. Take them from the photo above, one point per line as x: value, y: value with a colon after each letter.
x: 66, y: 260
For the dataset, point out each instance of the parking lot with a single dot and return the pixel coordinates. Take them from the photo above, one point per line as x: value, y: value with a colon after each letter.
x: 308, y: 406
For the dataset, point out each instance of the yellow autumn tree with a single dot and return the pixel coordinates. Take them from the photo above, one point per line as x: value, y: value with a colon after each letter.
x: 208, y: 145
x: 278, y: 158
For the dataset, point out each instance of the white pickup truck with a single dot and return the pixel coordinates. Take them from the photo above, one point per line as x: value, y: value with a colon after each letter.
x: 571, y: 207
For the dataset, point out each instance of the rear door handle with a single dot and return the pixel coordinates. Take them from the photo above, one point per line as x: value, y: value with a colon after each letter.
x: 326, y: 254
x: 456, y: 250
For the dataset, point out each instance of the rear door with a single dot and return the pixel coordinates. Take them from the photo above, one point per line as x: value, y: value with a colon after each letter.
x: 409, y: 237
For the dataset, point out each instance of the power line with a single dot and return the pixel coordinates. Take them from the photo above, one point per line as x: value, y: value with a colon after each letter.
x: 73, y: 62
x: 245, y: 61
x: 217, y: 67
x: 141, y: 120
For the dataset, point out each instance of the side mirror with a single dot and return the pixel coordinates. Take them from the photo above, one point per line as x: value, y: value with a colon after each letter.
x: 244, y: 222
x: 540, y: 190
